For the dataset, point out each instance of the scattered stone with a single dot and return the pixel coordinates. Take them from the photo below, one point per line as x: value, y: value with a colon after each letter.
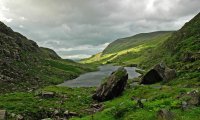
x: 191, y: 57
x: 13, y: 115
x: 97, y: 106
x: 159, y: 73
x: 94, y: 108
x: 47, y: 119
x: 56, y: 112
x: 140, y: 104
x: 164, y: 114
x: 184, y: 105
x: 194, y: 98
x: 143, y: 100
x: 190, y: 99
x: 113, y: 87
x: 73, y: 114
x: 19, y: 117
x: 139, y: 101
x: 70, y: 114
x: 2, y: 114
x: 135, y: 98
x: 47, y: 94
x: 66, y: 113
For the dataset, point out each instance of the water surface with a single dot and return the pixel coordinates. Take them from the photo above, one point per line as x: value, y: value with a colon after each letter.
x: 92, y: 79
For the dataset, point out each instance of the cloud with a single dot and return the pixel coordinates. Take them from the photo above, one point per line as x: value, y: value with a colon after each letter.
x: 84, y: 47
x: 77, y: 56
x: 75, y: 27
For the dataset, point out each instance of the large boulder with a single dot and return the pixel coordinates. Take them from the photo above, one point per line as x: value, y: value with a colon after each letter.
x: 160, y: 72
x: 113, y: 87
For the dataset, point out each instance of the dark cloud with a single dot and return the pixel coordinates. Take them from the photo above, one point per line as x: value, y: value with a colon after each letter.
x: 77, y: 28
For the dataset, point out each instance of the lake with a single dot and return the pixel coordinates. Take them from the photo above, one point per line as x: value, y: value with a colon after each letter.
x: 93, y: 79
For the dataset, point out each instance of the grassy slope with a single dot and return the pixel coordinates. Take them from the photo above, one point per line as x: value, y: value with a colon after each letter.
x: 33, y: 107
x: 27, y: 69
x: 129, y: 42
x: 124, y: 108
x: 135, y: 51
x: 24, y: 66
x: 173, y: 50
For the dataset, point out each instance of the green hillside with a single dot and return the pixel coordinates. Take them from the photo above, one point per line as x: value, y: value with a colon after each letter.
x: 26, y: 66
x: 171, y: 47
x: 131, y: 50
x: 130, y: 42
x: 182, y: 49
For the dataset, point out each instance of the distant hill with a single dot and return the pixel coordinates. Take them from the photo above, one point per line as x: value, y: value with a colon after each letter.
x: 26, y: 66
x: 146, y: 49
x: 129, y: 42
x: 131, y: 49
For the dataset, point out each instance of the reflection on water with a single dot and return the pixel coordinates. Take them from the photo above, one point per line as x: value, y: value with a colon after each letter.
x: 94, y: 78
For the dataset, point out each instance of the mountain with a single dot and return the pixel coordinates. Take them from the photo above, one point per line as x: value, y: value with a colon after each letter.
x: 130, y: 50
x: 26, y: 66
x: 146, y: 49
x: 129, y: 42
x: 181, y: 49
x: 184, y: 44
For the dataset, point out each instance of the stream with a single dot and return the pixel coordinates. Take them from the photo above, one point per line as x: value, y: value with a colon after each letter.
x: 93, y: 79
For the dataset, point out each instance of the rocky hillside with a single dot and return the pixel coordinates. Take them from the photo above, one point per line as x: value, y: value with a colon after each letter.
x: 182, y: 49
x: 22, y: 60
x: 184, y: 44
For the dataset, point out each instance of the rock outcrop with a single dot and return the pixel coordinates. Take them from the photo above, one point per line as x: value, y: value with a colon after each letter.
x: 113, y: 87
x: 160, y: 72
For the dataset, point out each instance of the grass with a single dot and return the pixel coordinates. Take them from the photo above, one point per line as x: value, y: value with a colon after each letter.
x: 136, y: 40
x: 124, y: 108
x: 156, y: 96
x: 132, y: 55
x: 32, y: 106
x: 46, y: 72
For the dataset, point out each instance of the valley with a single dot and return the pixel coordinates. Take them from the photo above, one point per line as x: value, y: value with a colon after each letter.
x: 32, y: 88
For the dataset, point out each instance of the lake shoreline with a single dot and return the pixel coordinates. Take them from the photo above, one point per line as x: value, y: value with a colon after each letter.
x: 94, y: 79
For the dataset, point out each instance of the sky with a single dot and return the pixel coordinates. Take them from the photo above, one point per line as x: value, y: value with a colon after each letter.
x: 77, y: 29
